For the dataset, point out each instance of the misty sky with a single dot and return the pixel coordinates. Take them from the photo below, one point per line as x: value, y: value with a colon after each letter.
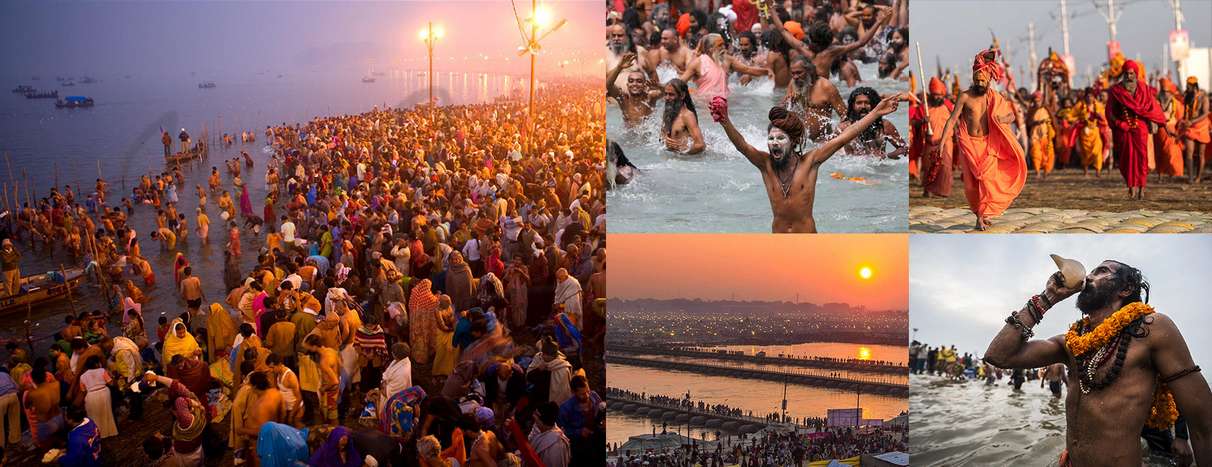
x: 957, y: 30
x: 235, y: 39
x: 963, y: 287
x: 820, y: 268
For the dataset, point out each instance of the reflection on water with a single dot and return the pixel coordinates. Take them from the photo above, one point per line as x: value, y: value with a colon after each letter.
x: 720, y: 191
x: 760, y: 397
x: 122, y: 135
x: 883, y: 353
x: 971, y: 423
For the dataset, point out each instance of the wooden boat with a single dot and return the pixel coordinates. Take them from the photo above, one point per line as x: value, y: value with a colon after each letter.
x: 74, y: 102
x: 43, y: 288
x: 42, y: 95
x: 22, y: 89
x: 199, y: 151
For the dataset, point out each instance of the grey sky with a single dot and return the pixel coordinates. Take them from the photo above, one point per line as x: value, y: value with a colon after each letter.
x: 956, y: 30
x: 228, y: 39
x: 962, y: 288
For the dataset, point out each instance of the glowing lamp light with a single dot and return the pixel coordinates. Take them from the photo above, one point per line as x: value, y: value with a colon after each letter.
x: 543, y: 17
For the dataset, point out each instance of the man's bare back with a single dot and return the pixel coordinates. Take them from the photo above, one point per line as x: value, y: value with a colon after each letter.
x: 822, y: 101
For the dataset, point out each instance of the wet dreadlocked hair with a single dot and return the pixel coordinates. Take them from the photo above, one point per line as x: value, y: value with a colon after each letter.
x: 1128, y: 277
x: 872, y: 132
x: 672, y: 110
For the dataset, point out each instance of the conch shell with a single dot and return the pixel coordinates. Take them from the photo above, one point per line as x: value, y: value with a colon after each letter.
x: 1072, y: 271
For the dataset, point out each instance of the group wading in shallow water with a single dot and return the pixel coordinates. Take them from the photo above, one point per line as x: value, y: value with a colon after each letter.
x: 693, y: 59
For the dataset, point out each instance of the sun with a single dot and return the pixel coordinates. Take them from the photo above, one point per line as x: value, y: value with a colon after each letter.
x: 865, y: 272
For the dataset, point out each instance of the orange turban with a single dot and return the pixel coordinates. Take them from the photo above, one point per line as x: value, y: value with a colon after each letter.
x: 683, y: 24
x: 1191, y: 80
x: 937, y: 87
x: 795, y: 29
x: 1169, y: 85
x: 987, y: 60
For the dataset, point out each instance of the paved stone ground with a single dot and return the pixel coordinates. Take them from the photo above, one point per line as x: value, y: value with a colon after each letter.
x: 1069, y: 201
x: 930, y: 219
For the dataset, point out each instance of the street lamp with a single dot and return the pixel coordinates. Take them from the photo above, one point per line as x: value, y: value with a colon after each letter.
x: 429, y: 35
x: 540, y: 17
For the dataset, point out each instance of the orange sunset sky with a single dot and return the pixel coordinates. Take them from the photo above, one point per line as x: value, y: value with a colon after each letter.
x: 821, y: 268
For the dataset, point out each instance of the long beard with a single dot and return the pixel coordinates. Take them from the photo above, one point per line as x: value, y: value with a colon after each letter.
x: 1093, y: 298
x: 671, y: 113
x: 871, y: 132
x: 978, y: 90
x: 618, y: 48
x: 936, y: 101
x: 782, y: 154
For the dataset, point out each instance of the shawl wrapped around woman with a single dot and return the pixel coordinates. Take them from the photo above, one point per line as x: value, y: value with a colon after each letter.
x: 173, y: 345
x: 281, y: 445
x: 460, y: 285
x: 400, y: 412
x: 422, y: 306
x: 329, y: 455
x: 370, y: 342
x: 220, y: 330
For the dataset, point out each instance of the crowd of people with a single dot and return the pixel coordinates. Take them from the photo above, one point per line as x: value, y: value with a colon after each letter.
x: 1137, y: 121
x: 428, y: 289
x: 799, y: 46
x: 768, y: 448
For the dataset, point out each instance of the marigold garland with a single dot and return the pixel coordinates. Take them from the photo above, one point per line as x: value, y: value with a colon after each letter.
x: 1163, y: 413
x: 1082, y: 344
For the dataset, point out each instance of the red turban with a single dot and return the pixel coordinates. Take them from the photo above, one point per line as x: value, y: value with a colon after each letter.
x: 683, y: 24
x: 937, y: 87
x: 987, y: 60
x: 1136, y: 67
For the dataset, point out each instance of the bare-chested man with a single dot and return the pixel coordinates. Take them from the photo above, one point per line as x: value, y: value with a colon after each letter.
x: 1114, y: 396
x: 820, y: 48
x: 191, y: 291
x: 1194, y: 129
x: 618, y: 46
x: 1054, y: 375
x: 640, y: 99
x: 874, y: 138
x: 814, y: 98
x: 671, y: 51
x: 990, y: 155
x: 789, y: 175
x: 264, y: 405
x: 711, y: 66
x: 680, y: 121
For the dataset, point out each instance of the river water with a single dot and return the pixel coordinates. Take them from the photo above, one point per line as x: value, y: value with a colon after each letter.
x: 760, y: 397
x: 123, y: 133
x: 720, y: 191
x: 970, y: 423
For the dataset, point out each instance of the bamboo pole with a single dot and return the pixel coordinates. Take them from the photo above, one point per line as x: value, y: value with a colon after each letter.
x: 67, y: 285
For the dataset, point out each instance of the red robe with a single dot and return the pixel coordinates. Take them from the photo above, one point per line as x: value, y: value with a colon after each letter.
x: 1128, y: 115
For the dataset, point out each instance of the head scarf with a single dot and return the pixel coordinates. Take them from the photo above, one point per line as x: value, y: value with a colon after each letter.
x: 422, y: 298
x: 128, y: 304
x: 937, y: 87
x: 683, y: 24
x: 989, y: 61
x: 174, y: 345
x: 329, y: 454
x: 1168, y: 85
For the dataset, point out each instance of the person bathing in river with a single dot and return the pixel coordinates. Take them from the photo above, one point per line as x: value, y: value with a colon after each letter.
x: 788, y: 170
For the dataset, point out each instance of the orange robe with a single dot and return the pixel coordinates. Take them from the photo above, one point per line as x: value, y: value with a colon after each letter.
x: 1170, y: 148
x: 994, y: 166
x: 1198, y: 130
x: 936, y: 165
